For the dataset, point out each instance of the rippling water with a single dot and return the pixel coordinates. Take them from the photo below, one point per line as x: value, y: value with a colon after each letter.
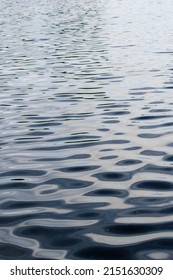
x: 86, y: 121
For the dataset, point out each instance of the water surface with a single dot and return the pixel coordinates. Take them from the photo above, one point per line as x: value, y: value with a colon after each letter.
x: 86, y: 121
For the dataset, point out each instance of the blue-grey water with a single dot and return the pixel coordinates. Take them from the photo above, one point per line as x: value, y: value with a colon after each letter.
x: 86, y: 129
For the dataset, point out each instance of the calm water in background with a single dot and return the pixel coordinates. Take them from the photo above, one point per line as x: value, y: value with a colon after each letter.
x: 86, y: 121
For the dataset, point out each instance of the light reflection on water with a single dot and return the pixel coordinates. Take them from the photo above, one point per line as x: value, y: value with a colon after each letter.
x: 86, y: 124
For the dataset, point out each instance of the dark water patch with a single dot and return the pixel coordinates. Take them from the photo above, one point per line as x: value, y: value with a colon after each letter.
x: 11, y: 221
x: 17, y: 185
x: 5, y: 105
x: 36, y: 117
x: 103, y: 129
x: 130, y: 252
x: 170, y: 144
x: 120, y: 141
x: 168, y: 158
x: 113, y: 176
x: 141, y: 118
x: 138, y: 93
x: 159, y: 110
x: 156, y: 102
x: 87, y: 214
x: 103, y: 253
x: 39, y: 133
x: 108, y: 157
x: 116, y: 113
x: 119, y: 133
x: 168, y: 210
x: 170, y: 87
x: 106, y: 150
x: 111, y: 121
x: 143, y: 88
x: 23, y: 173
x: 152, y: 185
x: 149, y: 135
x: 14, y: 252
x: 52, y: 204
x: 128, y: 162
x: 88, y: 114
x: 152, y: 153
x: 133, y: 148
x: 26, y: 140
x: 78, y: 168
x: 18, y: 179
x: 133, y: 229
x: 108, y: 192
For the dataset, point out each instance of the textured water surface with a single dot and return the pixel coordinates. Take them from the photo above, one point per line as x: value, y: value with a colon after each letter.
x: 86, y: 121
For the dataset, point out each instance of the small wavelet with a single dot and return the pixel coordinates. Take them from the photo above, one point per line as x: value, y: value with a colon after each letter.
x: 153, y: 185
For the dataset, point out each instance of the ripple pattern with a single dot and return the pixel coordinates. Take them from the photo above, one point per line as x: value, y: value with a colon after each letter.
x: 86, y: 122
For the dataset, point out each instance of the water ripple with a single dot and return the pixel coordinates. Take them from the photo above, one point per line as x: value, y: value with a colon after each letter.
x: 86, y: 124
